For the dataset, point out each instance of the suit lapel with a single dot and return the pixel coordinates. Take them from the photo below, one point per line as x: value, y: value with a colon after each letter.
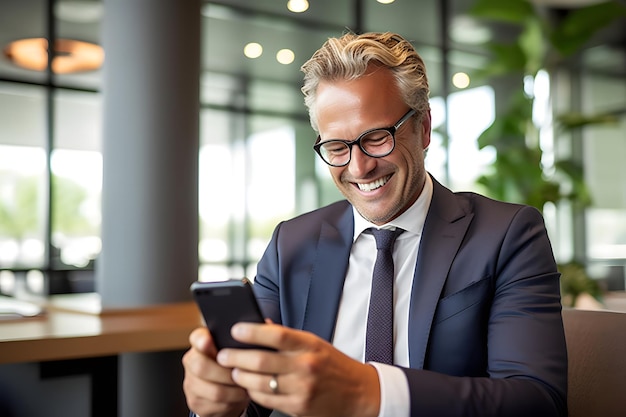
x: 328, y: 275
x: 446, y: 224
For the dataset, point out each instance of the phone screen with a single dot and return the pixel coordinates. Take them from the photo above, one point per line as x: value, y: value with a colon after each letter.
x: 225, y: 303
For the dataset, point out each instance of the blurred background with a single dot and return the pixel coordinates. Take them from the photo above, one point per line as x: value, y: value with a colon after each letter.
x: 523, y: 99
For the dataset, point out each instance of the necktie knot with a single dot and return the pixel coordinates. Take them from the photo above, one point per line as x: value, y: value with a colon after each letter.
x: 385, y: 238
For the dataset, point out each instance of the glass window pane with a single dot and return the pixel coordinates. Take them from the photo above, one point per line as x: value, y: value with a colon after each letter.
x: 236, y: 219
x: 22, y: 225
x: 76, y: 214
x: 22, y: 176
x: 606, y: 234
x: 603, y: 153
x: 271, y: 179
x: 76, y: 164
x: 78, y: 120
x: 471, y: 112
x: 221, y: 191
x: 604, y: 144
x: 22, y: 115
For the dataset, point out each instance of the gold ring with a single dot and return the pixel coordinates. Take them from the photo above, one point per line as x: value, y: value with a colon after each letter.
x: 274, y: 384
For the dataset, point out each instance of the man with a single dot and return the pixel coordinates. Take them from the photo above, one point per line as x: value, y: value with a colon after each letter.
x: 477, y: 327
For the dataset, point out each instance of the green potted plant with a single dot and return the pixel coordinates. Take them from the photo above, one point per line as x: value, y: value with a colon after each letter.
x: 519, y: 173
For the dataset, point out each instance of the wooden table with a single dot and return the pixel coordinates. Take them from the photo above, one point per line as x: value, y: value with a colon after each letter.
x: 63, y: 333
x: 70, y: 341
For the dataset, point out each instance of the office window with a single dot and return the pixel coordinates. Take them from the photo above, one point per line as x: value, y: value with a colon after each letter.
x: 219, y: 200
x: 271, y: 182
x: 246, y: 186
x: 76, y: 166
x: 603, y: 150
x: 23, y: 168
x: 471, y: 112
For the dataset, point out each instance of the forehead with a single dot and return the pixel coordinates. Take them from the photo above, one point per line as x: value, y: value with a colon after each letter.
x: 346, y: 108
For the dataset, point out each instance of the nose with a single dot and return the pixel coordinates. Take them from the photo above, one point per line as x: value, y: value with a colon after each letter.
x: 360, y: 163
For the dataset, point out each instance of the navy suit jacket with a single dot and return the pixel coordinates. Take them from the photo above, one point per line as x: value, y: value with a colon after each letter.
x: 485, y: 329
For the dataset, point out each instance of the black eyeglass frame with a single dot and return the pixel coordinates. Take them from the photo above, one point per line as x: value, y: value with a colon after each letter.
x: 349, y: 143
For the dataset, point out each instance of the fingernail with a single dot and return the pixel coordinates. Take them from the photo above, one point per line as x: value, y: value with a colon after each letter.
x: 222, y: 357
x: 238, y: 329
x: 197, y: 340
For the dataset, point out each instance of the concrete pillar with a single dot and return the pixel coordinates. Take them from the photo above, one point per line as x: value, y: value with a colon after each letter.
x: 150, y: 181
x: 150, y: 152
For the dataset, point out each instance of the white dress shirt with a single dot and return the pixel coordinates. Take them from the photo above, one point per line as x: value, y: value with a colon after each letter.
x: 349, y: 335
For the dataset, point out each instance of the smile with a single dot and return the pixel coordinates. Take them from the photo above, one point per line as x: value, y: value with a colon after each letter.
x: 374, y: 184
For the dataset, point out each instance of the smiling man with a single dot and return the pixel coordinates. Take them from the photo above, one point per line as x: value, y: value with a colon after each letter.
x: 472, y: 323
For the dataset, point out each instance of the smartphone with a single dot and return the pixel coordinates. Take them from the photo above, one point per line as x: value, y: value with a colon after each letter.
x: 224, y: 303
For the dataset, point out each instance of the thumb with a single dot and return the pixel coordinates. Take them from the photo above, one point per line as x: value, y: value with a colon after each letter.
x: 201, y: 340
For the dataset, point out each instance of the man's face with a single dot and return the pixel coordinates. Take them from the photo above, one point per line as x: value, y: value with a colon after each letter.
x: 379, y: 188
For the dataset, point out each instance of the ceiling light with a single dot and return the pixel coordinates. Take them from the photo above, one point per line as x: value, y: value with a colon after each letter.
x: 297, y: 6
x: 285, y: 56
x: 69, y: 55
x: 253, y: 50
x: 461, y: 80
x: 385, y: 1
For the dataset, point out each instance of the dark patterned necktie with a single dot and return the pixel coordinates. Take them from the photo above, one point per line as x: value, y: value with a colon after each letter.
x: 379, y: 336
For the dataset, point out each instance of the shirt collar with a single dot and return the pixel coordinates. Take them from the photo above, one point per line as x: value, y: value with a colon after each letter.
x: 412, y: 220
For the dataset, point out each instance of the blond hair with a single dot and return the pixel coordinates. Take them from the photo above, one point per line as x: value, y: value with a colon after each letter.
x: 348, y: 58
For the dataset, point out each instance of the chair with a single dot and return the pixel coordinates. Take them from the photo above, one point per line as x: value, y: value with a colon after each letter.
x: 596, y: 348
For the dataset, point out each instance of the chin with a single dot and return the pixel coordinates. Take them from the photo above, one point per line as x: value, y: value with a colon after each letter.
x: 375, y: 217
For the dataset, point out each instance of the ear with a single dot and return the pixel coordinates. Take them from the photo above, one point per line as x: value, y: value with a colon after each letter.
x: 426, y: 126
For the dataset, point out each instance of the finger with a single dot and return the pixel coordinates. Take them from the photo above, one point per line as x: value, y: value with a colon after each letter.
x: 261, y: 383
x: 252, y: 360
x: 201, y: 340
x: 271, y: 391
x: 274, y: 336
x: 206, y: 368
x: 205, y: 397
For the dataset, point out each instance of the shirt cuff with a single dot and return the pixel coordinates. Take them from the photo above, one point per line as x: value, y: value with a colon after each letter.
x: 395, y: 399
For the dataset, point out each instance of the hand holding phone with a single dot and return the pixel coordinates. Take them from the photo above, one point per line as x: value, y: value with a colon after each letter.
x: 224, y: 303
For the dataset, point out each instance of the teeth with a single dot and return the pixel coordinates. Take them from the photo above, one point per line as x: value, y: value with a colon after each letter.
x: 374, y: 185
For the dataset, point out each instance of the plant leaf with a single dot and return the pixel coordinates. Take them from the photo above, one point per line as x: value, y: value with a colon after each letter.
x: 532, y: 44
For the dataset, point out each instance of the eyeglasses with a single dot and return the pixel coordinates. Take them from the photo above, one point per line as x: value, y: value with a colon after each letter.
x: 376, y: 143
